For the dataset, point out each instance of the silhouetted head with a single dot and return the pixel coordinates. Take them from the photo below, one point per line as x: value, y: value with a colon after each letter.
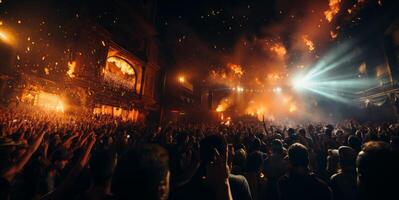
x: 142, y: 173
x: 298, y: 156
x: 208, y: 144
x: 375, y: 170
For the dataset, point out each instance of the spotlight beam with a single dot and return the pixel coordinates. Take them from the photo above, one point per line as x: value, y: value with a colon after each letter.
x: 315, y: 73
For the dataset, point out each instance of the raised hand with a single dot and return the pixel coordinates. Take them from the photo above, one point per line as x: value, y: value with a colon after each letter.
x: 217, y: 175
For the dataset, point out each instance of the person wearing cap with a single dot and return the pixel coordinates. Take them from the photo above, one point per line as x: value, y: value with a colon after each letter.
x: 343, y: 183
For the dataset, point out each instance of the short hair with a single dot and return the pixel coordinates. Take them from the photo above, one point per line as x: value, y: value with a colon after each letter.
x: 374, y: 159
x: 208, y: 144
x: 276, y: 145
x: 298, y: 155
x: 375, y: 167
x: 355, y: 142
x: 140, y: 172
x: 291, y: 131
x: 302, y: 131
x: 347, y: 157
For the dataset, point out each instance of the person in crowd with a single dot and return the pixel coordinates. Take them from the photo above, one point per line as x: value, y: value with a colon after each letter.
x: 332, y: 162
x: 254, y: 175
x: 275, y: 166
x: 300, y: 183
x: 355, y: 143
x: 102, y: 165
x: 142, y: 173
x: 376, y: 171
x: 239, y: 161
x: 343, y: 183
x: 213, y: 179
x: 47, y: 155
x: 292, y: 137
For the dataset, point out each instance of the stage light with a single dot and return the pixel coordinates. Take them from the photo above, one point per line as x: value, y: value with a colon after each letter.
x: 182, y: 79
x: 3, y: 36
x: 277, y: 90
x: 240, y: 89
x: 301, y: 83
x: 7, y: 36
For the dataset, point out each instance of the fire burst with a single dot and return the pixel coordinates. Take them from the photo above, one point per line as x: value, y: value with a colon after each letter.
x: 71, y: 69
x: 333, y: 34
x: 332, y: 10
x: 223, y: 105
x: 308, y: 42
x: 279, y: 49
x: 236, y: 69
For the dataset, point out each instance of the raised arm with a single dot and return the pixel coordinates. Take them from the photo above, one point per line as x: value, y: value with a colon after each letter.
x: 13, y: 170
x: 264, y: 125
x: 60, y: 191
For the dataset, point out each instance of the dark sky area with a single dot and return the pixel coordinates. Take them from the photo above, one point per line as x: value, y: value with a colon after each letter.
x: 198, y: 36
x: 204, y: 35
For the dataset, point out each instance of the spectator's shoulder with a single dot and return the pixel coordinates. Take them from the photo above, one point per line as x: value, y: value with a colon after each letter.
x: 318, y: 181
x: 237, y: 180
x: 239, y: 187
x: 335, y: 176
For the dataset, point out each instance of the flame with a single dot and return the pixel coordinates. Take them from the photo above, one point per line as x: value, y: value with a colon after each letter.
x: 273, y: 77
x: 181, y: 79
x: 257, y: 81
x: 256, y: 109
x: 125, y: 67
x: 362, y: 68
x: 279, y: 49
x: 333, y: 34
x: 3, y: 36
x: 46, y: 100
x: 236, y: 69
x: 381, y: 70
x: 293, y: 107
x: 46, y: 71
x: 332, y: 10
x: 349, y: 11
x: 223, y: 104
x: 71, y: 69
x: 308, y: 42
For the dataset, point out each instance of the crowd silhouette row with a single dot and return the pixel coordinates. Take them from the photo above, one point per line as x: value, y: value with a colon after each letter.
x: 47, y: 155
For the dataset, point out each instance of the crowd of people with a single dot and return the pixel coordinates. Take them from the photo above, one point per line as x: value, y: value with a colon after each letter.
x: 47, y: 155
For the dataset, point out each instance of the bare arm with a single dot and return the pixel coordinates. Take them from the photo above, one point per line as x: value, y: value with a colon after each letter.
x: 217, y: 175
x: 60, y: 191
x: 10, y: 173
x: 264, y: 125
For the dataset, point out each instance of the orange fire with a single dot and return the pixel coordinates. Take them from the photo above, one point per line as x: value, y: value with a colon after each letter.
x: 308, y: 42
x: 333, y: 34
x: 124, y: 66
x: 236, y: 69
x: 223, y: 105
x: 279, y: 49
x: 71, y: 69
x: 293, y: 107
x: 273, y: 77
x: 362, y: 68
x: 45, y: 100
x: 332, y: 10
